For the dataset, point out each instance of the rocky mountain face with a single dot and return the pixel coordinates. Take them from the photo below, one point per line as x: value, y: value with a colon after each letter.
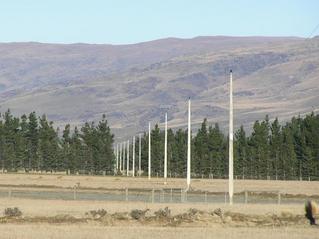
x: 134, y: 84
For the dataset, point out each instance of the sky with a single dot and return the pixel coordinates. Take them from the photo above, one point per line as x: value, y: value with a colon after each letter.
x: 132, y: 21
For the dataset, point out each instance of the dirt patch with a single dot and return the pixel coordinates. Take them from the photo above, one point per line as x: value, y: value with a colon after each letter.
x: 285, y: 219
x: 58, y: 219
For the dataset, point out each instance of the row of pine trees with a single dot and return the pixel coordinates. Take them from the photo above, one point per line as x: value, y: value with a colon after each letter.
x: 289, y: 151
x: 271, y: 151
x: 31, y: 143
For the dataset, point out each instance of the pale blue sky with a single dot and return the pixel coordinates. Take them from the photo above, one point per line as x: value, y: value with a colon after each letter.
x: 130, y: 21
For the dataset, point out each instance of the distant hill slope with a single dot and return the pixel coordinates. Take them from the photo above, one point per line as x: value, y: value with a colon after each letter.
x: 133, y: 84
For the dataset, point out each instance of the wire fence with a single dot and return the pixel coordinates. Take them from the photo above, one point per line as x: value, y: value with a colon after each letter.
x: 172, y: 195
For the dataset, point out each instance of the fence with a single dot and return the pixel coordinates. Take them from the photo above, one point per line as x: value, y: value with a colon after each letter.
x: 173, y: 195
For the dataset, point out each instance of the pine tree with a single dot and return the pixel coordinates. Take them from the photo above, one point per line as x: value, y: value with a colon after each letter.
x: 311, y: 129
x: 241, y: 163
x: 22, y: 144
x: 68, y: 163
x: 201, y: 163
x: 180, y: 153
x: 170, y: 148
x: 157, y: 139
x: 48, y: 146
x: 275, y: 143
x: 76, y: 152
x: 88, y: 147
x: 10, y: 132
x: 32, y: 141
x: 144, y: 154
x: 259, y: 142
x: 288, y: 166
x: 216, y: 145
x: 106, y: 158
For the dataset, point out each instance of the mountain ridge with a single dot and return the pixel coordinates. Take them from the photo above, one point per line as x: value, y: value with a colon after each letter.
x: 136, y: 83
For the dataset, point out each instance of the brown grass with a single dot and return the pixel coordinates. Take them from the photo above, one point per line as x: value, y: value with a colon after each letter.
x: 72, y: 219
x: 31, y: 207
x: 123, y: 232
x: 213, y: 185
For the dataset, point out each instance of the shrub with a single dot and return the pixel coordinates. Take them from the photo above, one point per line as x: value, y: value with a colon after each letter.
x: 138, y: 214
x: 97, y: 213
x: 12, y: 212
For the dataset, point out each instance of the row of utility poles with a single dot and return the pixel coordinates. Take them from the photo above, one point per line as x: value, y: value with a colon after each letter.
x: 122, y: 153
x: 123, y: 160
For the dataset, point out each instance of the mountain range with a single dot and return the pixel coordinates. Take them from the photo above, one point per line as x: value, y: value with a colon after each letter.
x: 137, y: 83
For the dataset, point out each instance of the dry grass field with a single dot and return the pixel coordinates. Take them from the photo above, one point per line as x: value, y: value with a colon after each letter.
x: 45, y: 219
x: 73, y: 219
x: 99, y: 232
x: 109, y: 182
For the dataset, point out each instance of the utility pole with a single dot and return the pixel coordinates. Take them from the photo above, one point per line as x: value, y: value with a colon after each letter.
x: 149, y: 150
x: 117, y: 158
x: 165, y: 150
x: 231, y: 136
x: 120, y: 156
x: 128, y: 158
x: 124, y: 155
x: 189, y: 145
x: 133, y: 152
x: 139, y: 154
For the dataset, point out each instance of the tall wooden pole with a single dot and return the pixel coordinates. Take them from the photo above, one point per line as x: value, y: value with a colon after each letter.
x: 117, y: 158
x: 189, y: 146
x: 128, y: 158
x: 133, y: 155
x: 139, y: 154
x: 120, y: 156
x: 149, y: 150
x: 165, y: 150
x: 231, y: 172
x: 124, y: 155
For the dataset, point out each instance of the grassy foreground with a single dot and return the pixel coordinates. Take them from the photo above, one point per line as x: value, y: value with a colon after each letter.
x: 74, y: 219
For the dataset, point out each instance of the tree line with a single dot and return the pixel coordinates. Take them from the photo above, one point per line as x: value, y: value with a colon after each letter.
x: 31, y: 143
x: 272, y: 150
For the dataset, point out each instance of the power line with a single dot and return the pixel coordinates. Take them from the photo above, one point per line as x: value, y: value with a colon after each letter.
x: 313, y: 31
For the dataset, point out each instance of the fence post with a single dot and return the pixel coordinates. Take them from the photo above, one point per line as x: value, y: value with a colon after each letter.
x: 74, y: 193
x: 279, y: 197
x: 126, y: 194
x: 246, y: 197
x: 171, y: 199
x: 153, y: 192
x: 181, y: 195
x: 185, y: 196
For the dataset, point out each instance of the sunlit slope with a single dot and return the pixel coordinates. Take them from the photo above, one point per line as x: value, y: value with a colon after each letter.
x: 136, y: 83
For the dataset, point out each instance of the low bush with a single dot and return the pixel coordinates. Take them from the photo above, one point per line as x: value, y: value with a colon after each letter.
x: 12, y: 212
